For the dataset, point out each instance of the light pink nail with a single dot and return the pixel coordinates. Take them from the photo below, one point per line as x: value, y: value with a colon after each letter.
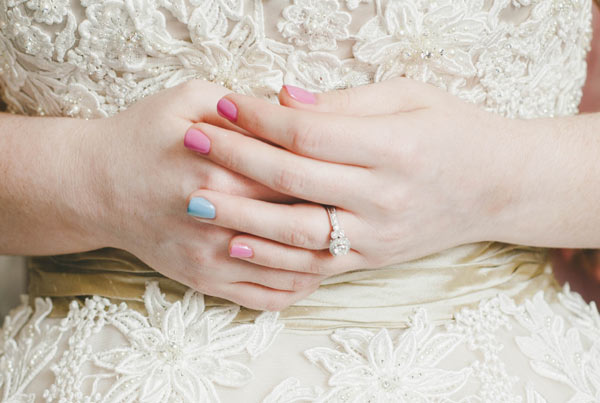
x: 196, y: 140
x: 300, y: 95
x: 241, y: 251
x: 227, y: 109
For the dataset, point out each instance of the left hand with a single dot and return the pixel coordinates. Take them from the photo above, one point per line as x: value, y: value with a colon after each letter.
x: 411, y: 169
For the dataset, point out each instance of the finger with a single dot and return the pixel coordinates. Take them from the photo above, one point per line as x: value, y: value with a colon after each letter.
x: 304, y: 226
x: 255, y: 296
x: 382, y: 98
x: 280, y: 170
x: 329, y: 137
x: 213, y: 176
x: 271, y: 277
x: 268, y: 253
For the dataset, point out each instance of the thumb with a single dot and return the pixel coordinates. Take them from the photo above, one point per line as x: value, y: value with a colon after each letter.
x: 382, y: 98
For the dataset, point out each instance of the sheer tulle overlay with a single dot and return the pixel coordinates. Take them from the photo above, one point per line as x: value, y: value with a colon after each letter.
x: 503, y: 333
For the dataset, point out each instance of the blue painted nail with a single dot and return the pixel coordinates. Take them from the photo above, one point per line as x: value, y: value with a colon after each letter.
x: 201, y: 208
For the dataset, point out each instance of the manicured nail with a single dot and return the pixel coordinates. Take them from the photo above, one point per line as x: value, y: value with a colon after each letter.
x: 300, y: 95
x: 227, y: 109
x: 201, y: 208
x: 196, y: 140
x: 241, y: 251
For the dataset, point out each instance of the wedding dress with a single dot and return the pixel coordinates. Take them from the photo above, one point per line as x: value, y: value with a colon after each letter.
x: 483, y: 322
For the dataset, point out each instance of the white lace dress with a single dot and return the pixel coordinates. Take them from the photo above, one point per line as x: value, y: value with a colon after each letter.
x: 479, y: 323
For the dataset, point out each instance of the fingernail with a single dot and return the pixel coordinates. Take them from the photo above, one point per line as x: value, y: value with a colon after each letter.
x: 241, y: 251
x: 300, y: 94
x: 201, y: 208
x: 227, y: 109
x: 196, y: 140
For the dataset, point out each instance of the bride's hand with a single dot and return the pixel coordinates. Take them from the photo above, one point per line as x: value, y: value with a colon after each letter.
x: 146, y: 175
x: 412, y: 170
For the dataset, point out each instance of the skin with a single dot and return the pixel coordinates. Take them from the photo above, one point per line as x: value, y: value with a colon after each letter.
x: 411, y: 174
x: 123, y: 182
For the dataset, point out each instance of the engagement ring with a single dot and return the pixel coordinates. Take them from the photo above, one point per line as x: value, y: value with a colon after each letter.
x: 339, y: 244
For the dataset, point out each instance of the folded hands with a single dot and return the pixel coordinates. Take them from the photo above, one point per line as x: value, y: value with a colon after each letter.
x: 411, y: 169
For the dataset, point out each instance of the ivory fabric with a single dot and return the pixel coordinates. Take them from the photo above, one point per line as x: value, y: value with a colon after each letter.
x: 443, y: 283
x: 482, y: 322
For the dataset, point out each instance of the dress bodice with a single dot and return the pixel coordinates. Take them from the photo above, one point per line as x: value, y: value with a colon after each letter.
x: 93, y: 58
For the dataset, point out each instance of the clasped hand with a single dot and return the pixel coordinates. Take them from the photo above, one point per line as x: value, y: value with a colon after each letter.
x: 411, y: 169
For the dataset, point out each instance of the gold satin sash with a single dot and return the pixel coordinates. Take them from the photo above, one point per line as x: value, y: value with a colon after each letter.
x: 443, y: 283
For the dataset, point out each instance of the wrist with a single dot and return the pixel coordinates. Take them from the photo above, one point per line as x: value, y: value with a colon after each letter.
x: 89, y: 194
x: 505, y: 162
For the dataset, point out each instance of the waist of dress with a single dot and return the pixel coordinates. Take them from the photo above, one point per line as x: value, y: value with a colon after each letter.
x: 442, y: 283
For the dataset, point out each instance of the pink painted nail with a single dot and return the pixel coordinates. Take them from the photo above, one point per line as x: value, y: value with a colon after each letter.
x: 300, y: 95
x: 227, y: 109
x: 196, y: 140
x: 241, y: 251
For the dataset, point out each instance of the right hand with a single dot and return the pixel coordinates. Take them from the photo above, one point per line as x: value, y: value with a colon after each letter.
x: 143, y: 175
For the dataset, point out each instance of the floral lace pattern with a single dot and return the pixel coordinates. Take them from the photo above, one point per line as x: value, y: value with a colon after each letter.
x: 179, y: 351
x: 94, y: 58
x: 370, y: 366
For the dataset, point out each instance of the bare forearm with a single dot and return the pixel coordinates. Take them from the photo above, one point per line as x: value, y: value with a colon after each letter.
x: 45, y: 187
x: 554, y: 171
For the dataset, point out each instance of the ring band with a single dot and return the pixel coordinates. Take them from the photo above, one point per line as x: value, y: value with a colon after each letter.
x: 339, y: 244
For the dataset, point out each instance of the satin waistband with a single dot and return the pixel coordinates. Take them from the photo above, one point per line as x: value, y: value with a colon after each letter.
x: 443, y: 283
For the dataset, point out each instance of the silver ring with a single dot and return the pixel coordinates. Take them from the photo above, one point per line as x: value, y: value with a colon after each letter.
x: 339, y: 244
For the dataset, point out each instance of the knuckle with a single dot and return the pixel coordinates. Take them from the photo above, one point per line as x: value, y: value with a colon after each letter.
x: 227, y: 158
x: 296, y: 238
x: 256, y: 116
x: 303, y: 137
x: 215, y: 179
x: 305, y: 281
x: 316, y: 267
x: 343, y: 98
x: 319, y: 269
x: 299, y: 283
x: 392, y: 199
x: 288, y: 181
x: 297, y: 234
x: 338, y: 100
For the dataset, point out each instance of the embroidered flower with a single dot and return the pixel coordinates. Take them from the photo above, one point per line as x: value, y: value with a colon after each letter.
x: 28, y: 345
x: 109, y: 36
x: 320, y: 71
x: 316, y: 23
x: 48, y: 11
x: 241, y: 63
x: 80, y: 102
x: 210, y: 18
x: 179, y: 352
x: 557, y: 350
x: 373, y: 368
x: 27, y: 37
x: 431, y: 44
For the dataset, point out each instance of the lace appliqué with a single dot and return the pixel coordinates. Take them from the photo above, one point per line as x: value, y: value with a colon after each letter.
x: 369, y: 366
x: 521, y: 59
x: 177, y: 353
x: 26, y: 347
x: 316, y: 23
